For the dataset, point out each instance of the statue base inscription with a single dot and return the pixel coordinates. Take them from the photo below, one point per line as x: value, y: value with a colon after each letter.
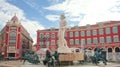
x: 64, y: 50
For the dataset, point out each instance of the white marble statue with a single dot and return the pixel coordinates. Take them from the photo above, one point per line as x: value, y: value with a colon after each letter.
x: 62, y: 44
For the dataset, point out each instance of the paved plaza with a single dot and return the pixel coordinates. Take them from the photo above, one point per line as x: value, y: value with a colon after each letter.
x: 27, y: 64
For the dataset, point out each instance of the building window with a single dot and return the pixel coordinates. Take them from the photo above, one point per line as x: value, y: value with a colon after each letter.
x: 115, y: 30
x: 12, y: 41
x: 53, y: 42
x: 41, y: 43
x: 53, y: 49
x: 76, y: 34
x: 13, y: 28
x: 102, y: 40
x: 83, y: 42
x: 88, y: 40
x: 116, y: 38
x: 41, y: 35
x: 77, y: 41
x: 53, y: 35
x: 101, y: 32
x: 71, y: 34
x: 82, y: 33
x: 11, y: 47
x: 95, y: 40
x: 94, y: 32
x: 71, y: 42
x: 12, y: 35
x: 107, y: 30
x: 47, y: 43
x: 108, y: 39
x: 47, y: 35
x: 88, y: 33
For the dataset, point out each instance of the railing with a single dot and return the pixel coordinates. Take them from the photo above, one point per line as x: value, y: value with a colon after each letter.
x: 44, y: 38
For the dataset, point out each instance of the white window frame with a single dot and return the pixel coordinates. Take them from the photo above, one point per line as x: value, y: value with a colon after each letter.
x: 53, y: 35
x: 95, y: 40
x: 89, y: 41
x: 102, y: 40
x: 47, y: 43
x: 41, y: 43
x: 76, y: 33
x: 101, y: 31
x: 12, y: 35
x: 107, y: 30
x: 83, y: 42
x: 88, y: 33
x: 94, y: 32
x: 115, y: 29
x: 115, y: 37
x: 41, y: 35
x: 77, y: 41
x: 12, y: 41
x: 52, y: 42
x: 82, y: 33
x: 71, y: 42
x: 108, y: 38
x: 71, y: 34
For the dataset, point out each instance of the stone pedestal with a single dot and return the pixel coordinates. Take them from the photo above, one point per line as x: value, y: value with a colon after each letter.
x: 63, y: 49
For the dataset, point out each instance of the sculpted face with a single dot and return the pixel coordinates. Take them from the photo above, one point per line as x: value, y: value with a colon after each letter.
x: 62, y: 16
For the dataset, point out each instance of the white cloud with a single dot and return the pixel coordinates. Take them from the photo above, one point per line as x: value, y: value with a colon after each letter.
x: 53, y: 1
x: 98, y: 11
x: 33, y: 5
x: 52, y: 17
x: 32, y: 27
x: 72, y: 8
x: 7, y: 11
x: 93, y: 10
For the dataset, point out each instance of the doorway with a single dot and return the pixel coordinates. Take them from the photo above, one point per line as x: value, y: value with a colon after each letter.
x: 11, y: 55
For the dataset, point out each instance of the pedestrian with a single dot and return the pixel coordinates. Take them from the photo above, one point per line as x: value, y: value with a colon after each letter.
x: 40, y: 55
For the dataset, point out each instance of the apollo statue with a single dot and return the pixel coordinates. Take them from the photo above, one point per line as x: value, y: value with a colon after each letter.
x: 62, y: 44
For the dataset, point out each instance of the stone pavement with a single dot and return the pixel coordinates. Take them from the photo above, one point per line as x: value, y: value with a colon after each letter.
x: 27, y: 64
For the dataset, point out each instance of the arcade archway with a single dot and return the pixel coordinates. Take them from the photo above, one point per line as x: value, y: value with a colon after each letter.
x: 110, y: 50
x: 117, y: 53
x: 110, y: 54
x: 95, y: 49
x: 117, y: 49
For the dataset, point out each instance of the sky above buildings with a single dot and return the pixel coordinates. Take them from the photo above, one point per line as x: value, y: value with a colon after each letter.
x: 44, y: 14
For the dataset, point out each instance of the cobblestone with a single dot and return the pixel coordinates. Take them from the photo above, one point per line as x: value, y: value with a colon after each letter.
x: 27, y: 64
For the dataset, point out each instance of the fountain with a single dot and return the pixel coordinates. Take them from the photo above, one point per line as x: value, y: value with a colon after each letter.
x: 62, y: 44
x: 66, y: 54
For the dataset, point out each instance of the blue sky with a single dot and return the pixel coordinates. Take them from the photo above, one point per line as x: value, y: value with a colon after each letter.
x: 44, y: 14
x: 34, y: 10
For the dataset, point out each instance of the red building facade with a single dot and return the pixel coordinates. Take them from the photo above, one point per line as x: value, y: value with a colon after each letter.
x: 14, y: 39
x: 103, y: 35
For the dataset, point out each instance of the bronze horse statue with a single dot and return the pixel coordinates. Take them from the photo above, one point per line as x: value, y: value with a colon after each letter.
x: 51, y: 59
x: 99, y: 55
x: 31, y: 57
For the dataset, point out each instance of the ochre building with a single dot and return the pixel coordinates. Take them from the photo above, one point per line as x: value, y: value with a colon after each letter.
x: 14, y: 39
x: 102, y: 35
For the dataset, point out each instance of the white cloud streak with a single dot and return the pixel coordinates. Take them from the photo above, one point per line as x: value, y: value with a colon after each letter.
x: 93, y: 10
x: 33, y: 5
x: 52, y: 17
x: 53, y: 1
x: 7, y: 11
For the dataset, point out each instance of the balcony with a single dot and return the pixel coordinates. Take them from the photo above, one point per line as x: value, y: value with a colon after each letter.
x: 44, y: 38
